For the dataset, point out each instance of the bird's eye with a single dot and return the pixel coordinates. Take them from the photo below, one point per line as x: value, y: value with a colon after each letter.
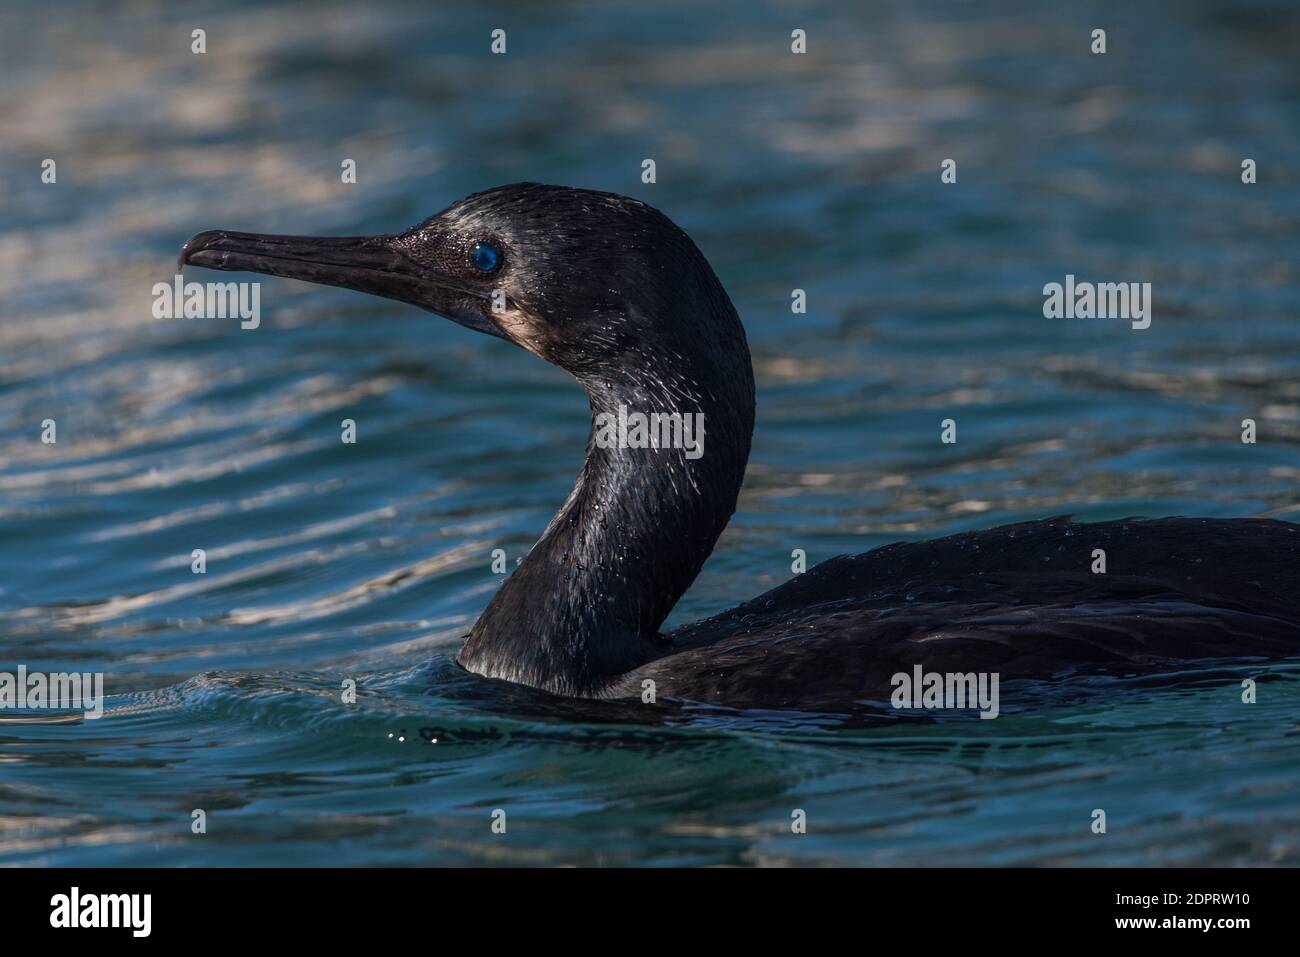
x: 484, y: 257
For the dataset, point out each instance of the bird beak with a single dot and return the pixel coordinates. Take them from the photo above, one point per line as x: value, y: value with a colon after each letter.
x: 374, y: 264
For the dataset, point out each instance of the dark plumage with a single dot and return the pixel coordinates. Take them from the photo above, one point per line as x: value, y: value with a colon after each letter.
x: 612, y: 291
x: 1019, y: 600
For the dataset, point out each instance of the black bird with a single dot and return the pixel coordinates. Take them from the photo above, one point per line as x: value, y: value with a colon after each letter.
x: 609, y: 289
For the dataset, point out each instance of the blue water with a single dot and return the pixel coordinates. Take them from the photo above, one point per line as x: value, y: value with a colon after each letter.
x: 821, y: 172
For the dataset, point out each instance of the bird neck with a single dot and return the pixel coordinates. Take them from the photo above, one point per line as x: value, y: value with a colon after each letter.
x: 585, y: 606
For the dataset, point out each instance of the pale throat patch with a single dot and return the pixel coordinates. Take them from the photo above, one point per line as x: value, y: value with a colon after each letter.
x: 523, y: 328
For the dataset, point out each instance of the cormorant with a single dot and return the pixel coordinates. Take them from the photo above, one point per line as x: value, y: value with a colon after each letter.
x: 609, y: 289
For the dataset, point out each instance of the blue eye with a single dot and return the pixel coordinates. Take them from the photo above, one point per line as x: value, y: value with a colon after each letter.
x: 484, y: 257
